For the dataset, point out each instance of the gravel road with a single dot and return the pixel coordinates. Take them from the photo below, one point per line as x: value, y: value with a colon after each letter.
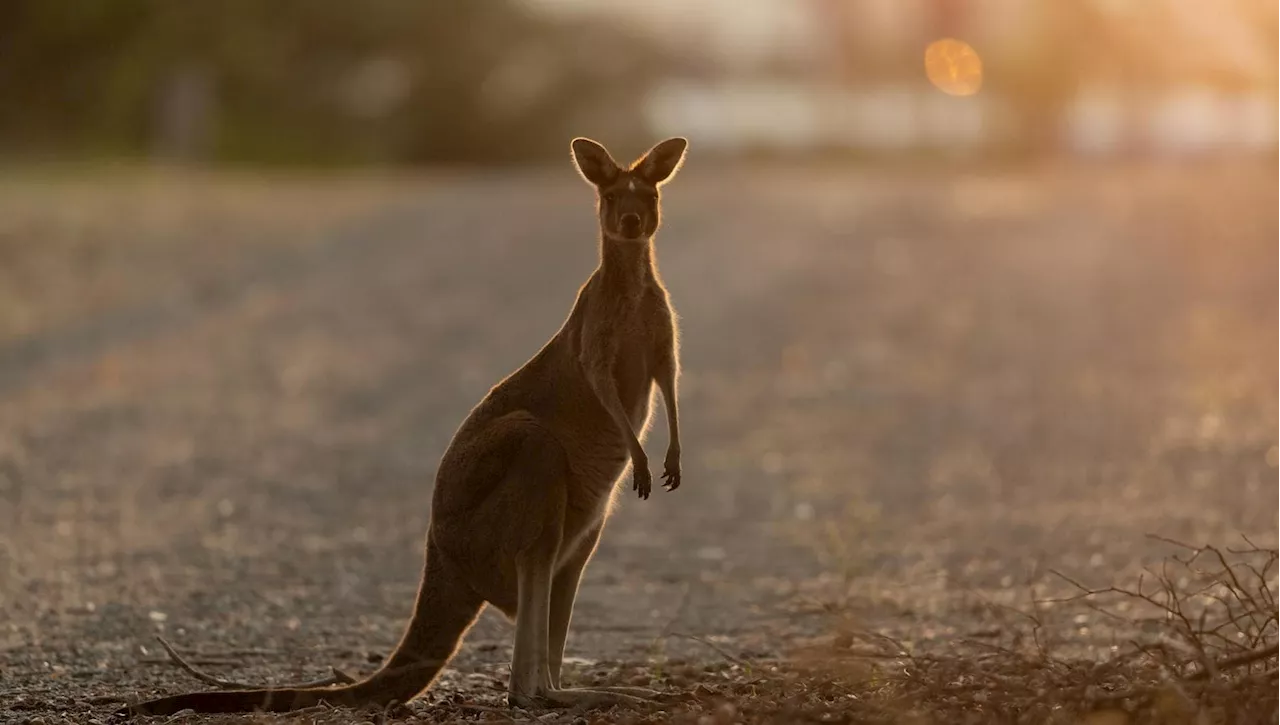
x: 907, y: 397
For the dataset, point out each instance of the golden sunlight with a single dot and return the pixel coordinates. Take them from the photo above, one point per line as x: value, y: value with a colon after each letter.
x: 953, y: 66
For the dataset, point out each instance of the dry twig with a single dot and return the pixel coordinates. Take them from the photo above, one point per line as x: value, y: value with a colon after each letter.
x: 337, y: 677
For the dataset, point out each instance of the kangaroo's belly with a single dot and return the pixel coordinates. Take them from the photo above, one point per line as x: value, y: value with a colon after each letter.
x: 557, y: 394
x: 598, y: 453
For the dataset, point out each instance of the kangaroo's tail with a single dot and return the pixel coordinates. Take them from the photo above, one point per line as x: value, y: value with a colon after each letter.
x: 445, y: 609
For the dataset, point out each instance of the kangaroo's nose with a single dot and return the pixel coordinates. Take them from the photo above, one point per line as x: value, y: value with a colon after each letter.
x: 630, y: 222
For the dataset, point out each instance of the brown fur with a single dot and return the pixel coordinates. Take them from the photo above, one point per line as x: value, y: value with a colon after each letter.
x: 524, y: 489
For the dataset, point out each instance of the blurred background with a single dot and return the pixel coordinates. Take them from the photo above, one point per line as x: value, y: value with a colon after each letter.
x: 502, y: 81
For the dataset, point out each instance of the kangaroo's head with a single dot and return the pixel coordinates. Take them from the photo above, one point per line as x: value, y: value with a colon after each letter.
x: 628, y: 198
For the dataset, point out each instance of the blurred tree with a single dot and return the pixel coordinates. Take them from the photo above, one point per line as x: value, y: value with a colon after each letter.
x: 302, y: 80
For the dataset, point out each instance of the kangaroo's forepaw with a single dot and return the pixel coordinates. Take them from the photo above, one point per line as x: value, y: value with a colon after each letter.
x: 671, y: 470
x: 672, y: 479
x: 641, y: 481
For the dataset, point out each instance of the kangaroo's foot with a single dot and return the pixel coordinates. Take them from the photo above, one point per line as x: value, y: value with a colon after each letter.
x: 580, y: 699
x: 643, y: 693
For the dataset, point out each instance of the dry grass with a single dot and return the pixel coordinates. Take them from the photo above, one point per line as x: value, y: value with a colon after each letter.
x: 1203, y: 651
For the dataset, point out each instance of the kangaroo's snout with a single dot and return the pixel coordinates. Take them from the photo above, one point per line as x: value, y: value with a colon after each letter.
x: 630, y: 223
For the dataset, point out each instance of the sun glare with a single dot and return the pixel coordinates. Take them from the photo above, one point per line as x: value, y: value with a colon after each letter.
x: 953, y: 67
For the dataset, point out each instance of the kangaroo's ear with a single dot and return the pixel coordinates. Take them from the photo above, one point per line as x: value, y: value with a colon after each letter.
x: 593, y: 162
x: 662, y: 161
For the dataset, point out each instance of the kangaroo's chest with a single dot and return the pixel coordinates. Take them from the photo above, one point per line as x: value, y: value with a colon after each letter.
x: 633, y: 374
x: 625, y: 329
x: 604, y: 453
x: 635, y: 360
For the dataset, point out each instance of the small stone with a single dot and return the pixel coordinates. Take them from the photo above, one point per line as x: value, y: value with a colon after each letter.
x: 712, y: 553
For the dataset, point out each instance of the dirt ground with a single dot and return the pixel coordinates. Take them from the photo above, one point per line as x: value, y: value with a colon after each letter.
x: 908, y: 397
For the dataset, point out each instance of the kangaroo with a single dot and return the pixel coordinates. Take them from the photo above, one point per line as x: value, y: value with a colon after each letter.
x: 525, y: 487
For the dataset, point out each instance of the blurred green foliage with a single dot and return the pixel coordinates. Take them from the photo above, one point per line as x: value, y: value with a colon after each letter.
x: 288, y: 81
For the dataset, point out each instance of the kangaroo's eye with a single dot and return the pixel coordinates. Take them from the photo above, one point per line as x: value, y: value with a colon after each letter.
x: 609, y: 197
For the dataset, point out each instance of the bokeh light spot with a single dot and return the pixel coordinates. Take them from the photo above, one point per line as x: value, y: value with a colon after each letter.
x: 953, y: 66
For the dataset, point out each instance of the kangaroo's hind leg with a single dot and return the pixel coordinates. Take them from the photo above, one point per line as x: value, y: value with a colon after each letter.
x: 530, y: 664
x: 540, y: 467
x: 564, y: 591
